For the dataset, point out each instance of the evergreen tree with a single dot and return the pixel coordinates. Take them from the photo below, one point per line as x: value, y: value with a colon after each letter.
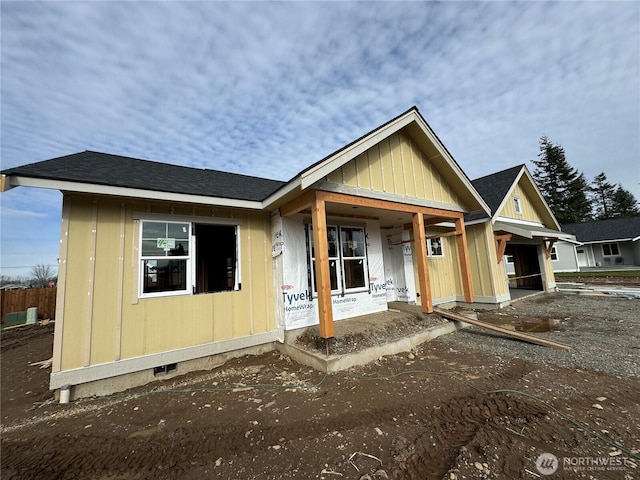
x: 625, y: 204
x: 562, y: 186
x: 602, y: 194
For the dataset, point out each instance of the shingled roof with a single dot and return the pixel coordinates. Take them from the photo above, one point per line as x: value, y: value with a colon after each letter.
x: 114, y: 170
x: 493, y: 188
x: 602, y: 230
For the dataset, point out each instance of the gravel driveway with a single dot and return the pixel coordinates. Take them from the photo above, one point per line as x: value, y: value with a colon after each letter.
x: 602, y: 330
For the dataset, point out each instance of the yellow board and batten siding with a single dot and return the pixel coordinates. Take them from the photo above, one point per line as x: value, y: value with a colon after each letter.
x: 527, y: 205
x: 487, y: 274
x: 396, y: 165
x: 152, y: 325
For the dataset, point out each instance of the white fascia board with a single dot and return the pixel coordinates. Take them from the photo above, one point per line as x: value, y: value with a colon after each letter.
x: 553, y: 234
x: 544, y: 202
x: 572, y: 240
x: 506, y: 197
x: 452, y: 163
x: 515, y: 221
x: 635, y: 239
x: 66, y: 186
x: 476, y: 222
x: 613, y: 240
x: 320, y: 171
x: 281, y: 192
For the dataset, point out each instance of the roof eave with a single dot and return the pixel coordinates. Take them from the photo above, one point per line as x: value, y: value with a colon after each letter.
x: 80, y: 187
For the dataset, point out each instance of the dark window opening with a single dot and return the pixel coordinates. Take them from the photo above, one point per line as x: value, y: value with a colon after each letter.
x: 216, y: 258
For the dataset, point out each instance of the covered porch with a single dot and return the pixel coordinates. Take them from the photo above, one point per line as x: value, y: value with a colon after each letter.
x: 320, y: 204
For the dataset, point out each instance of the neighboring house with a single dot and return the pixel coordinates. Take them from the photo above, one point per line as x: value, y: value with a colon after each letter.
x: 163, y: 267
x: 530, y: 243
x: 607, y: 243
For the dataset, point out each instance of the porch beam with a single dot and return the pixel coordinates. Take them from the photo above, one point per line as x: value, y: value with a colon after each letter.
x: 423, y: 264
x: 434, y: 220
x: 501, y: 245
x: 323, y: 281
x: 442, y: 235
x: 298, y: 204
x: 334, y: 197
x: 465, y: 266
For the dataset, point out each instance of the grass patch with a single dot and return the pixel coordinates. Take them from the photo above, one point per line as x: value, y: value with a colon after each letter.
x: 604, y: 273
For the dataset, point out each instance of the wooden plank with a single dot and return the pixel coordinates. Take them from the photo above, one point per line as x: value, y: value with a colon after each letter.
x: 548, y: 246
x: 298, y: 204
x: 519, y: 335
x: 422, y: 261
x: 345, y: 199
x: 501, y: 245
x: 323, y: 280
x: 465, y: 266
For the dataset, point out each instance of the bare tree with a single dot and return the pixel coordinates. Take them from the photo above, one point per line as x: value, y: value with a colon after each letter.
x: 41, y: 274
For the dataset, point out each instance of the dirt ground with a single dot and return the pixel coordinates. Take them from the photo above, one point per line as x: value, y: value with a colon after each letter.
x: 466, y: 405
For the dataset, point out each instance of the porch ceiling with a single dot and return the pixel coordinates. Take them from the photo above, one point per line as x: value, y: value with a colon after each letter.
x: 387, y: 218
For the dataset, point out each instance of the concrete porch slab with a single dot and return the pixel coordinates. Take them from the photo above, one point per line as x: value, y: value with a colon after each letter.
x: 370, y: 330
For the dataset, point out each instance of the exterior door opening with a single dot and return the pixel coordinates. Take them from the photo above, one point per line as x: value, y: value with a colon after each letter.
x: 526, y: 264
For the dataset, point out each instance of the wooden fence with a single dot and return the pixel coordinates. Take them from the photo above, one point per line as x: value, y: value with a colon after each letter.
x: 20, y: 300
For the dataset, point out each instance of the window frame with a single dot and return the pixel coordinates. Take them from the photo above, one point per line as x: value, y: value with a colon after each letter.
x: 517, y: 205
x: 610, y: 245
x: 191, y: 259
x: 150, y: 258
x: 430, y: 247
x: 341, y: 287
x: 363, y: 258
x: 554, y: 252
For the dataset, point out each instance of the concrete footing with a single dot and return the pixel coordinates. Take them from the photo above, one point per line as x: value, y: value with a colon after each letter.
x: 336, y: 363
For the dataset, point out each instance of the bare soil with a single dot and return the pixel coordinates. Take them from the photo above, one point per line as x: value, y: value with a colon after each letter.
x: 466, y: 405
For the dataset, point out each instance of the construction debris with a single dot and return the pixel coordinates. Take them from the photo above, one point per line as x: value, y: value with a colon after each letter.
x: 42, y: 363
x: 519, y: 335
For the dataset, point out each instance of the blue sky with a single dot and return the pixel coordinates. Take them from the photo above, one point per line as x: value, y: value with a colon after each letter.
x: 268, y: 88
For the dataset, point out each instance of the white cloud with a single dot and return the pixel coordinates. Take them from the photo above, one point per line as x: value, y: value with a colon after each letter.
x: 269, y: 88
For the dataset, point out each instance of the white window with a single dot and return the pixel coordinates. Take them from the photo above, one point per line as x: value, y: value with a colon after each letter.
x: 435, y: 247
x: 509, y: 258
x: 348, y: 270
x: 178, y: 258
x: 610, y: 249
x: 517, y: 205
x: 165, y: 258
x: 554, y: 254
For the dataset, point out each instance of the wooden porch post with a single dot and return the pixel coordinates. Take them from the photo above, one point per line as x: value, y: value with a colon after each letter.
x: 323, y: 282
x: 420, y: 241
x: 463, y: 253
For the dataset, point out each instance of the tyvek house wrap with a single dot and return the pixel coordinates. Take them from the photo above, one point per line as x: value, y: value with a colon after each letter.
x: 297, y: 299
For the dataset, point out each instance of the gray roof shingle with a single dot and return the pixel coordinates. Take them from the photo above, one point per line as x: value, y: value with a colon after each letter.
x: 118, y: 171
x: 493, y: 188
x: 600, y: 230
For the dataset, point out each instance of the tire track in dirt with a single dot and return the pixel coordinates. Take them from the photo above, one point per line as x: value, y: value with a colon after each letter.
x: 178, y: 449
x: 454, y: 425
